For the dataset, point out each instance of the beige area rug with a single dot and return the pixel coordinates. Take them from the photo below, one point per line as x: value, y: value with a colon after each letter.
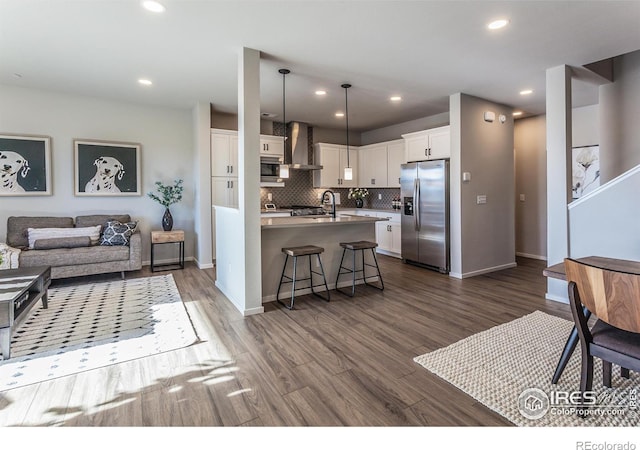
x: 95, y: 325
x: 498, y: 365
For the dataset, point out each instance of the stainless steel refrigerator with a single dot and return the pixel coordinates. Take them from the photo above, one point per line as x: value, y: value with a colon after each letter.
x: 424, y: 190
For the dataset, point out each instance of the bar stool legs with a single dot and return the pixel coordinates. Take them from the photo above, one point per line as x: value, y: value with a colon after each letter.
x: 343, y: 270
x: 295, y: 252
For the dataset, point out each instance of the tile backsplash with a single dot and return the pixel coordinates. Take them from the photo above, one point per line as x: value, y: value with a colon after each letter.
x: 299, y: 188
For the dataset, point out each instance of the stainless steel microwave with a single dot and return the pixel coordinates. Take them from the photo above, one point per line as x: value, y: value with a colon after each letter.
x: 270, y: 170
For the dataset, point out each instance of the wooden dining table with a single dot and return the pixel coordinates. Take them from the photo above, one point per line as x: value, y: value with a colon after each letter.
x: 557, y: 271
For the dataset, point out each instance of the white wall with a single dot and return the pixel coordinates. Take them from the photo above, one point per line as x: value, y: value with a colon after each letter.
x: 486, y: 151
x: 592, y: 230
x: 167, y: 153
x: 203, y: 213
x: 238, y: 234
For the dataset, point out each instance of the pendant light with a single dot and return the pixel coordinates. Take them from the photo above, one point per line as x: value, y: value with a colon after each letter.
x: 348, y: 171
x: 284, y: 167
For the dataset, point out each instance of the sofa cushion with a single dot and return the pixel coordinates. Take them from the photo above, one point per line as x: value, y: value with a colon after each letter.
x: 17, y: 234
x: 100, y: 219
x: 73, y: 256
x: 62, y: 242
x: 49, y: 233
x: 117, y: 233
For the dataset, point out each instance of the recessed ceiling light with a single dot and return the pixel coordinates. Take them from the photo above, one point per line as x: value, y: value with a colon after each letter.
x: 497, y: 24
x: 526, y: 92
x: 145, y: 82
x: 339, y: 114
x: 153, y: 6
x: 517, y: 113
x: 395, y: 98
x: 321, y: 92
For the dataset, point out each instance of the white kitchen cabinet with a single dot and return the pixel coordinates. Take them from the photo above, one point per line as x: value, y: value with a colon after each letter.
x: 434, y: 143
x: 272, y: 146
x: 372, y: 165
x: 333, y: 159
x: 388, y: 234
x: 224, y: 153
x: 224, y: 168
x: 224, y: 191
x: 395, y: 158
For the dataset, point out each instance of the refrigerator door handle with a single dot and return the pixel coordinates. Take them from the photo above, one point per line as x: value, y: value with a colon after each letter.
x: 416, y: 204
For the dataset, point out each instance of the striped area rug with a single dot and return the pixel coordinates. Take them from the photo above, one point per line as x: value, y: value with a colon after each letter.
x: 512, y: 364
x: 96, y: 325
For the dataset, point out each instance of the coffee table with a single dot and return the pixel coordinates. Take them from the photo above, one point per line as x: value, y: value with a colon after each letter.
x: 20, y: 290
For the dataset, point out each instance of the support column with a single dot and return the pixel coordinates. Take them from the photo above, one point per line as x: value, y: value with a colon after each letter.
x: 249, y: 176
x: 558, y: 173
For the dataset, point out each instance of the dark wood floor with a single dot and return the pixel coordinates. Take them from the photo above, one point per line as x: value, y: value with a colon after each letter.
x: 347, y: 362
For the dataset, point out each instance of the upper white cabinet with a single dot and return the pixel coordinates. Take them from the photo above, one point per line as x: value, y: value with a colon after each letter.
x: 272, y: 146
x: 224, y: 153
x: 434, y: 143
x: 372, y: 161
x: 380, y: 164
x: 333, y: 159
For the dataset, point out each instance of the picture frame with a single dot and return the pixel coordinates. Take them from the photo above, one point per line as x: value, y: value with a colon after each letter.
x: 25, y: 165
x: 585, y: 170
x: 104, y: 168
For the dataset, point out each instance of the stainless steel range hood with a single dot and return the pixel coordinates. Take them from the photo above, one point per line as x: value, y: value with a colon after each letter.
x: 297, y: 151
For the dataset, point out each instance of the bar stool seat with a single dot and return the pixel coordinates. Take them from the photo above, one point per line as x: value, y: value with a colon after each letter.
x: 354, y: 247
x: 295, y: 253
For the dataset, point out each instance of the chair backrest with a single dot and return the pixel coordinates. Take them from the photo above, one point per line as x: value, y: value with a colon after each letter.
x: 614, y: 297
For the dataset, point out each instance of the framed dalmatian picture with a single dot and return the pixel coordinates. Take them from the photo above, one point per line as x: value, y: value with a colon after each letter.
x: 25, y: 165
x: 106, y: 168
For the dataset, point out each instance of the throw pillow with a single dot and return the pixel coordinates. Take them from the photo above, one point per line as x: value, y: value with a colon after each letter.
x: 51, y: 233
x: 117, y: 233
x: 64, y: 242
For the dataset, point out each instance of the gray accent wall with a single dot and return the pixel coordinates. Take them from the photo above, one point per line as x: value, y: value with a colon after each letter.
x: 619, y: 114
x: 396, y: 131
x: 483, y: 235
x: 531, y: 181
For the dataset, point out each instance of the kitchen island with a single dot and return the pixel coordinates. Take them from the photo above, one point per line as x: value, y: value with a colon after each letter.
x: 323, y: 231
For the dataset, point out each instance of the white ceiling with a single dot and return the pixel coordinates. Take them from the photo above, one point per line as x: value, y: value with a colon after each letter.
x: 421, y: 50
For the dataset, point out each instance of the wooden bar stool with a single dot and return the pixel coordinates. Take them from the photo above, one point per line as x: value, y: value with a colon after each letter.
x: 360, y: 246
x: 295, y: 252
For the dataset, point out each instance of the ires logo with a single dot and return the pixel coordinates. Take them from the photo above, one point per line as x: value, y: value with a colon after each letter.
x: 534, y: 403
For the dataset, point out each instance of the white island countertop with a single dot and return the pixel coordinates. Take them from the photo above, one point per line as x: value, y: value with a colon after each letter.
x: 311, y: 221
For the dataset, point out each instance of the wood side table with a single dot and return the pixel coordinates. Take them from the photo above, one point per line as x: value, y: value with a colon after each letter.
x: 168, y: 237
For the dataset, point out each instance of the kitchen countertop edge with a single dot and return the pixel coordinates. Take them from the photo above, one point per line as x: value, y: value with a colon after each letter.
x: 308, y: 221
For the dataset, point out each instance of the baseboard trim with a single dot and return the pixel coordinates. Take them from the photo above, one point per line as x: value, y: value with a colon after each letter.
x: 202, y: 266
x: 253, y: 311
x: 529, y: 255
x: 483, y: 271
x: 556, y: 298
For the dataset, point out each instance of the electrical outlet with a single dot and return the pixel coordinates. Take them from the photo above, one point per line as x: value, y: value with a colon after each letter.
x: 521, y: 197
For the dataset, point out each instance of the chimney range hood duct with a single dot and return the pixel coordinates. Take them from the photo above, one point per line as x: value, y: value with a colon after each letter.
x: 297, y: 151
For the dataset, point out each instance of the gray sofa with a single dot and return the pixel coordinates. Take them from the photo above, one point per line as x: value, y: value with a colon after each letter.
x: 74, y: 262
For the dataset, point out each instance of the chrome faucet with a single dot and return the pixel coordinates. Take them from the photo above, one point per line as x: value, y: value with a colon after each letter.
x: 333, y: 201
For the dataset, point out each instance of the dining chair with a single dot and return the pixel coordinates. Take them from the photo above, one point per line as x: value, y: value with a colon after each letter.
x: 614, y: 298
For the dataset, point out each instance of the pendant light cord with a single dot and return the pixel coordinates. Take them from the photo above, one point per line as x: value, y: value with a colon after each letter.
x: 346, y: 113
x: 284, y: 73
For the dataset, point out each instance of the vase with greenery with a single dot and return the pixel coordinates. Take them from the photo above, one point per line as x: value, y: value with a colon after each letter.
x: 358, y: 194
x: 168, y: 195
